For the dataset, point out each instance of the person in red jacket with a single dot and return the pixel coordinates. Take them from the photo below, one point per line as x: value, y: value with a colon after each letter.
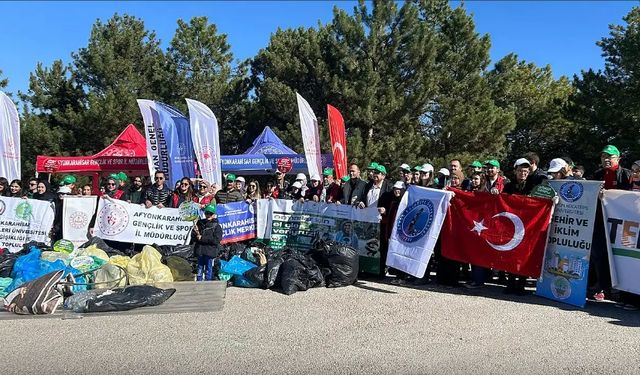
x: 495, y: 182
x: 183, y: 193
x: 111, y: 189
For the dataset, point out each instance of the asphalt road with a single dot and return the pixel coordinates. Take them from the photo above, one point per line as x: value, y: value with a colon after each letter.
x: 369, y: 328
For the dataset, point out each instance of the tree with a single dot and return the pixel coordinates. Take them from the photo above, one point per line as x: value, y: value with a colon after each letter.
x: 3, y: 81
x: 538, y: 102
x: 201, y: 60
x: 606, y: 104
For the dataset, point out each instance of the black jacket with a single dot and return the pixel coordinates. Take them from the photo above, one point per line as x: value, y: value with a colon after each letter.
x: 158, y: 196
x: 353, y: 191
x: 385, y: 188
x: 623, y: 178
x: 209, y: 244
x: 223, y: 196
x: 513, y: 187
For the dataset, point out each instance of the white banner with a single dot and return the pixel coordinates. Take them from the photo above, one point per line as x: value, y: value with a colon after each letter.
x: 310, y: 136
x: 24, y: 220
x: 621, y: 211
x: 416, y: 229
x: 125, y: 222
x: 157, y: 151
x: 76, y: 216
x: 206, y: 140
x: 9, y: 139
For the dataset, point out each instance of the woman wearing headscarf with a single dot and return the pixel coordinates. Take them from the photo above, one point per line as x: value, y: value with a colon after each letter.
x: 111, y: 189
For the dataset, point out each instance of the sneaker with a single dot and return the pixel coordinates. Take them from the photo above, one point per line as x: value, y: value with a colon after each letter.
x: 473, y: 286
x: 599, y: 297
x: 630, y: 307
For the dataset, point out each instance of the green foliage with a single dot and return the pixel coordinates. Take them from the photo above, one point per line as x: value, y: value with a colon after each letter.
x: 3, y: 81
x: 606, y: 104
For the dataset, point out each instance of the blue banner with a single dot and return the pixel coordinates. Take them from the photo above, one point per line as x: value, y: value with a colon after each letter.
x: 174, y: 128
x: 566, y: 260
x: 260, y: 164
x: 237, y: 220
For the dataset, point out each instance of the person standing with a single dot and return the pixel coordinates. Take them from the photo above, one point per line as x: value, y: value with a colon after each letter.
x: 134, y: 194
x: 111, y: 189
x: 495, y: 182
x: 15, y: 189
x: 158, y: 194
x: 184, y: 193
x: 332, y: 189
x: 208, y: 234
x: 388, y: 209
x: 374, y: 189
x: 230, y: 194
x: 353, y: 190
x: 33, y: 188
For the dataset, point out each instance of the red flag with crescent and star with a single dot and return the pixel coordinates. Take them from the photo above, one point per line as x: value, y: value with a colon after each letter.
x: 338, y: 141
x: 501, y: 231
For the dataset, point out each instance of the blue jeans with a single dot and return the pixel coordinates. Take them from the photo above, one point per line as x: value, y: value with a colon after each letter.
x: 205, y: 268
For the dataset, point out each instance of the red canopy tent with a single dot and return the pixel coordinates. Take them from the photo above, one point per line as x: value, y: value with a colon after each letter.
x: 128, y: 153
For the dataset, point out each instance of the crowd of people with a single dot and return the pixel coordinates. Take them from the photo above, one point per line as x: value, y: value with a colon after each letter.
x: 375, y: 188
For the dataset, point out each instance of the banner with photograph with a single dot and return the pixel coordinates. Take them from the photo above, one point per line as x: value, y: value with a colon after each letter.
x: 24, y: 220
x: 285, y: 223
x: 565, y: 269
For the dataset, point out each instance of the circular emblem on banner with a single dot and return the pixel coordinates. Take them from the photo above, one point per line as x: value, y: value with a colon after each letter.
x: 414, y: 222
x: 182, y: 149
x: 189, y: 211
x: 284, y: 164
x: 252, y: 209
x: 113, y: 219
x: 3, y: 207
x: 571, y: 191
x: 50, y: 165
x: 560, y: 288
x: 78, y: 220
x: 24, y: 210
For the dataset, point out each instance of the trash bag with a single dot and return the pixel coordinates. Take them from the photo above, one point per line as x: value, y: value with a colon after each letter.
x: 26, y: 248
x: 78, y: 301
x: 110, y: 276
x: 180, y: 268
x: 229, y: 250
x: 237, y: 267
x: 257, y: 276
x: 146, y: 268
x: 4, y: 283
x: 38, y: 296
x: 93, y: 250
x: 30, y: 267
x: 341, y: 261
x: 100, y: 244
x: 120, y: 260
x: 121, y: 299
x: 85, y: 263
x: 272, y: 274
x: 182, y: 251
x: 7, y: 261
x: 52, y: 256
x: 223, y: 276
x: 299, y: 273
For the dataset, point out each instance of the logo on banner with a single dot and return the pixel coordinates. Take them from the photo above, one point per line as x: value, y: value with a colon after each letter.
x: 113, y: 219
x: 3, y: 207
x: 24, y: 211
x: 10, y: 148
x: 571, y: 191
x: 561, y: 288
x: 78, y: 220
x: 284, y: 165
x: 182, y: 149
x: 415, y: 221
x: 51, y: 165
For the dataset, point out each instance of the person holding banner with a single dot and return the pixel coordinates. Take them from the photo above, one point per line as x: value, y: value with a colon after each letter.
x: 230, y: 194
x: 253, y: 191
x: 4, y: 187
x: 159, y: 193
x: 15, y: 189
x: 332, y: 189
x: 111, y: 189
x: 184, y: 193
x: 208, y: 234
x: 134, y: 194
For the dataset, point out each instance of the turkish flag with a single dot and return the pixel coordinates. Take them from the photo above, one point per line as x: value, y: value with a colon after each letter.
x: 338, y: 141
x: 502, y: 231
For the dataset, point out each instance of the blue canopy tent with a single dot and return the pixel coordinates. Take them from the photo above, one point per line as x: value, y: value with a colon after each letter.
x: 263, y: 155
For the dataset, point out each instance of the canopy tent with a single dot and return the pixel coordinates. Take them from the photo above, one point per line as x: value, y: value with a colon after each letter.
x: 262, y: 157
x: 127, y: 153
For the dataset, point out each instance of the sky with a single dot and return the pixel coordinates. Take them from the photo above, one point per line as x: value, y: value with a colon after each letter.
x: 561, y: 34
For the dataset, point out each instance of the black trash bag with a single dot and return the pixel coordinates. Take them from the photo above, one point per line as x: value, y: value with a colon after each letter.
x: 100, y: 244
x: 299, y: 273
x: 182, y: 251
x: 132, y: 297
x: 273, y: 275
x: 229, y: 250
x: 257, y: 276
x: 7, y: 260
x: 26, y: 248
x: 340, y: 263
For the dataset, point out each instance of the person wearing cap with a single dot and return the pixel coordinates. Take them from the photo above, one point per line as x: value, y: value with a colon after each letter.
x: 122, y: 180
x: 69, y: 180
x: 240, y: 184
x: 372, y: 167
x: 158, y: 194
x: 111, y: 189
x: 388, y: 209
x: 207, y: 235
x: 442, y: 179
x: 314, y: 190
x: 494, y: 181
x: 302, y: 178
x: 415, y: 177
x: 377, y: 186
x: 557, y: 169
x: 353, y: 189
x: 426, y: 175
x: 332, y: 190
x: 295, y: 192
x: 280, y: 186
x: 472, y: 169
x: 405, y: 173
x: 614, y: 177
x: 519, y: 184
x: 229, y: 194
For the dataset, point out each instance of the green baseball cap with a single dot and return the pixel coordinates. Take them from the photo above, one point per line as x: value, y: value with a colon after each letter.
x: 417, y: 168
x: 122, y: 176
x: 328, y: 172
x: 210, y: 208
x: 231, y: 177
x: 345, y: 178
x: 68, y: 180
x: 476, y: 164
x: 492, y: 162
x: 373, y: 166
x: 611, y: 150
x: 380, y: 168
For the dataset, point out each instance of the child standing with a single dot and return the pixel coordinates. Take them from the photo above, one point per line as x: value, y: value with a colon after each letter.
x: 208, y: 234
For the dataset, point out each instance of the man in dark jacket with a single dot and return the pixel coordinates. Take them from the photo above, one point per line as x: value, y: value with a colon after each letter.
x: 374, y: 189
x: 135, y: 193
x: 229, y: 194
x: 208, y: 234
x: 159, y: 193
x: 353, y: 190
